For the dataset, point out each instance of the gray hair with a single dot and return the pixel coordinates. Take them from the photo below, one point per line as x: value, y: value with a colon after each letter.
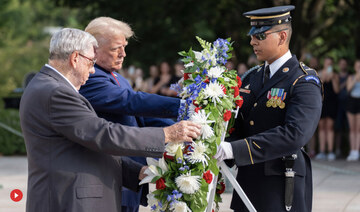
x: 68, y: 40
x: 105, y: 25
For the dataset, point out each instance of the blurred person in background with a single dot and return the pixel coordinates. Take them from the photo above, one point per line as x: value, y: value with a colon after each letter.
x: 114, y: 99
x: 241, y: 69
x: 164, y: 81
x: 353, y: 112
x: 341, y: 121
x: 150, y: 81
x: 328, y: 114
x: 230, y: 65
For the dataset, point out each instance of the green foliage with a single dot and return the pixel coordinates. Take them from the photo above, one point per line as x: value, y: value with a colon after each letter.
x: 10, y: 143
x: 24, y: 42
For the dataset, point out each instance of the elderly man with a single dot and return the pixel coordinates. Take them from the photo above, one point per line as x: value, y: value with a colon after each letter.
x: 114, y: 99
x: 282, y: 107
x: 73, y: 155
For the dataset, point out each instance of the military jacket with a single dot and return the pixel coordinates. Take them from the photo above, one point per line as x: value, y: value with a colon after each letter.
x: 277, y: 119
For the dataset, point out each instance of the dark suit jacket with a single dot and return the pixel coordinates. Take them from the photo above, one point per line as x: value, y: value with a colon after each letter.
x: 73, y: 154
x: 271, y: 133
x: 114, y: 99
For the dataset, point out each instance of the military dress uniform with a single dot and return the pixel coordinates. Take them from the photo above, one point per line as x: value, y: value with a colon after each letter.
x: 277, y: 119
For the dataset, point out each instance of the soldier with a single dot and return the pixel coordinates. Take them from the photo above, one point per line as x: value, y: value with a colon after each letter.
x: 281, y: 110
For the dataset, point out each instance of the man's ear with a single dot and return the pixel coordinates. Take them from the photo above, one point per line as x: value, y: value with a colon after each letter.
x: 74, y: 59
x: 283, y: 36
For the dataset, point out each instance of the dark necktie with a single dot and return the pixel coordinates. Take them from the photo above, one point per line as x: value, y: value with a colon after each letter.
x: 267, y: 74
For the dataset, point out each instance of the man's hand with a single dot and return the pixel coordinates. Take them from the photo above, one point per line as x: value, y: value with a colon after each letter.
x: 224, y: 152
x: 182, y: 131
x: 142, y: 175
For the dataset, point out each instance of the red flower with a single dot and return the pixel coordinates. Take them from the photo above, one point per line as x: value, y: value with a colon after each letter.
x: 231, y: 130
x: 239, y: 81
x: 195, y: 103
x: 207, y: 80
x: 186, y: 76
x: 207, y: 176
x: 222, y: 189
x: 239, y: 102
x: 160, y: 184
x: 236, y: 91
x: 197, y: 109
x: 227, y: 115
x: 166, y: 156
x: 223, y: 88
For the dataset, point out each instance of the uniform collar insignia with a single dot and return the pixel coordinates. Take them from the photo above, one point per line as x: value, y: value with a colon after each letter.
x: 286, y: 69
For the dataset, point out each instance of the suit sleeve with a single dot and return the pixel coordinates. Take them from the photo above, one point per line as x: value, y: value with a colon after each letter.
x: 130, y: 177
x: 301, y: 119
x: 105, y: 96
x: 72, y: 117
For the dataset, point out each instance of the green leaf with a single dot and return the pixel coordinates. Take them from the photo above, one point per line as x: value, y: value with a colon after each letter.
x: 213, y: 166
x: 155, y: 179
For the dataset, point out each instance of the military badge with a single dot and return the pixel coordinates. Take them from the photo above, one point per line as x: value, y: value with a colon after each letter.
x: 276, y: 97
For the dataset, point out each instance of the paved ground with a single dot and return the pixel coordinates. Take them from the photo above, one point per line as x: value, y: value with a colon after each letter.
x: 336, y: 186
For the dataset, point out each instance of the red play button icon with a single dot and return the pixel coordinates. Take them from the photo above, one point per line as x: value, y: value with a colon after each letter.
x: 16, y: 195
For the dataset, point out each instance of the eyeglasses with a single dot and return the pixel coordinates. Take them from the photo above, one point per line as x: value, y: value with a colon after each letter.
x: 262, y: 35
x: 93, y: 61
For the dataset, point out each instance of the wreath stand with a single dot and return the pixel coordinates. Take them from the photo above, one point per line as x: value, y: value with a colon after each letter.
x: 226, y: 172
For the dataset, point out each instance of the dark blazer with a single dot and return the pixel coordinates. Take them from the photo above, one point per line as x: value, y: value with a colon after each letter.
x: 73, y: 155
x: 113, y: 98
x: 263, y: 135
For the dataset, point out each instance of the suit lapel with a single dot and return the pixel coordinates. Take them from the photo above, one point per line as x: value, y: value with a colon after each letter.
x: 278, y: 76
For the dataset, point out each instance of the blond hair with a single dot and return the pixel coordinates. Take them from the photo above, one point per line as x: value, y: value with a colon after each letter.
x: 105, y: 25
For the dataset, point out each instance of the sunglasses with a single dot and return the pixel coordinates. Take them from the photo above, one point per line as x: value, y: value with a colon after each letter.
x: 262, y: 35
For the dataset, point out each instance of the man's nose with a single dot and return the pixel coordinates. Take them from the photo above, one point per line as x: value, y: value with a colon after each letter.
x: 252, y: 41
x: 122, y: 52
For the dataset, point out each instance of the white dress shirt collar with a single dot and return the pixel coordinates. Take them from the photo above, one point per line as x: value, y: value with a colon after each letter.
x: 52, y: 68
x: 278, y: 63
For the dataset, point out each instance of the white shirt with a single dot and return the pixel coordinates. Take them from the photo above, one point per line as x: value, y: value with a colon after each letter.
x: 66, y: 79
x: 278, y: 63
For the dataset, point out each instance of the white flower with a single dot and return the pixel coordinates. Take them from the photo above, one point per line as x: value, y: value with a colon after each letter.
x: 180, y: 206
x: 198, y: 56
x: 215, y: 72
x: 172, y: 147
x: 191, y: 110
x: 198, y: 154
x: 214, y: 91
x: 188, y: 184
x: 152, y: 170
x: 189, y: 65
x: 201, y: 119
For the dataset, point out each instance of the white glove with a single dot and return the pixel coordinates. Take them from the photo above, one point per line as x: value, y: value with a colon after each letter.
x: 224, y: 151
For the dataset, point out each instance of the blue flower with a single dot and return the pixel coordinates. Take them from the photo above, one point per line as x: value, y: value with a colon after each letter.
x: 179, y: 160
x: 153, y: 207
x: 182, y: 169
x: 198, y: 79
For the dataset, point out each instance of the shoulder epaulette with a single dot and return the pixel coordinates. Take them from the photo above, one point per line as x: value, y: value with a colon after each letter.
x: 257, y: 67
x: 309, y: 75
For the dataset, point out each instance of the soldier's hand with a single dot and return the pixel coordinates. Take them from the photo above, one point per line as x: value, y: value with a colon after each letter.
x: 182, y: 131
x: 224, y: 152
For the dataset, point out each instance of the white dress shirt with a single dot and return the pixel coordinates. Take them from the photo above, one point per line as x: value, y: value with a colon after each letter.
x: 278, y: 63
x: 66, y: 79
